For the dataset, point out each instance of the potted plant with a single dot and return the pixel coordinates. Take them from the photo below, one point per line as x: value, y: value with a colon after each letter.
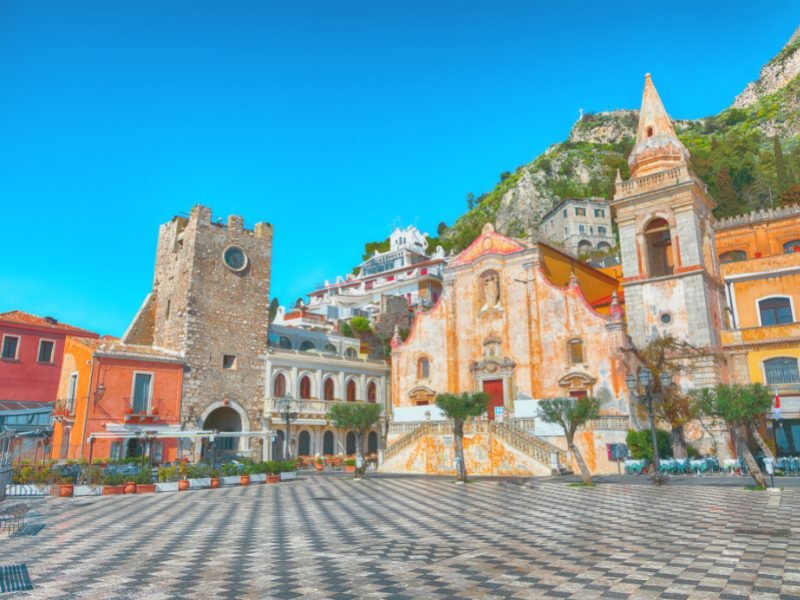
x: 113, y: 484
x: 167, y: 479
x: 65, y: 487
x: 288, y: 470
x: 231, y: 474
x: 244, y: 477
x: 144, y: 484
x: 350, y: 465
x: 214, y: 479
x: 258, y: 472
x: 272, y: 472
x: 318, y: 464
x: 198, y: 476
x: 183, y: 480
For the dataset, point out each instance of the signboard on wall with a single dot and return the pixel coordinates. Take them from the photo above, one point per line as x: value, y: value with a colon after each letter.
x: 617, y: 452
x: 499, y: 411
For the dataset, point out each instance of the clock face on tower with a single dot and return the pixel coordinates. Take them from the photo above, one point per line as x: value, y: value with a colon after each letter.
x: 235, y: 258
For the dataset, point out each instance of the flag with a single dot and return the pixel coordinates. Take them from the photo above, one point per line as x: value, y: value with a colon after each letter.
x: 777, y: 409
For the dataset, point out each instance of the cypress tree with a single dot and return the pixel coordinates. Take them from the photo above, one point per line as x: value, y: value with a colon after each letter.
x: 781, y: 171
x: 725, y: 194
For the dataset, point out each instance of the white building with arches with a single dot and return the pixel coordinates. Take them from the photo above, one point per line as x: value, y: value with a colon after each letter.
x: 317, y: 370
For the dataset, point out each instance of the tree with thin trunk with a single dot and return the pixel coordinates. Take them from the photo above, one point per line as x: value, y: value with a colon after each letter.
x: 741, y: 406
x: 460, y: 407
x: 359, y: 417
x: 570, y: 414
x: 661, y: 356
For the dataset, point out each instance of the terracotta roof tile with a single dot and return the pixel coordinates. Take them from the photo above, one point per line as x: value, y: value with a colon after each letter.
x: 22, y: 318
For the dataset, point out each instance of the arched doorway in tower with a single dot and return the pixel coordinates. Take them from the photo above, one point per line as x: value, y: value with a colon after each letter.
x: 372, y: 442
x: 328, y: 443
x: 304, y: 444
x: 224, y: 419
x: 350, y: 443
x: 277, y: 445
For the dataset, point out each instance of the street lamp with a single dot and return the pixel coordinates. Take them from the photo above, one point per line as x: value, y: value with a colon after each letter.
x: 287, y: 408
x: 644, y: 385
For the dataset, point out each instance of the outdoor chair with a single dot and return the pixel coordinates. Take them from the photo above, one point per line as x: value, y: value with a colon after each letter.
x: 12, y: 518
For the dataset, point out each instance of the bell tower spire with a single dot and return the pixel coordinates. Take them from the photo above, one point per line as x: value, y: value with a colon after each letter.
x: 670, y: 271
x: 657, y: 147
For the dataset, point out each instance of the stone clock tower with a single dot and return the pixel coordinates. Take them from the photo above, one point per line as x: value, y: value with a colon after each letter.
x: 210, y: 303
x: 671, y: 272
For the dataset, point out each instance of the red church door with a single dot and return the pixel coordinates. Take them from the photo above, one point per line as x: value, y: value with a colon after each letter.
x: 493, y: 387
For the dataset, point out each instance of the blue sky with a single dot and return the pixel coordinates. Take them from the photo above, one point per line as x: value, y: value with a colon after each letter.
x: 333, y: 120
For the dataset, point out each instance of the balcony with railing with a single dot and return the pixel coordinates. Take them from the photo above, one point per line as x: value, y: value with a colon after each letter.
x: 64, y: 409
x: 757, y: 336
x: 311, y: 408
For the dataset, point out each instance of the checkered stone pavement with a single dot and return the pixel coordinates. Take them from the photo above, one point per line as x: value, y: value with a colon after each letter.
x: 405, y: 537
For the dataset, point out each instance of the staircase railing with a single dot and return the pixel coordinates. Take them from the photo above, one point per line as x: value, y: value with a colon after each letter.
x: 529, y: 444
x: 404, y: 442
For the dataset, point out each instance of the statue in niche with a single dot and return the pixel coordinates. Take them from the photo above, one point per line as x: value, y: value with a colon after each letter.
x: 490, y: 289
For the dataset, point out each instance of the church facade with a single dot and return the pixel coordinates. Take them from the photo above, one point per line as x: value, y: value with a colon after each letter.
x: 520, y: 321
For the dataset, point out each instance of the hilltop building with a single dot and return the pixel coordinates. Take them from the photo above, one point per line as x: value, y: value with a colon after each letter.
x: 405, y: 270
x: 579, y: 225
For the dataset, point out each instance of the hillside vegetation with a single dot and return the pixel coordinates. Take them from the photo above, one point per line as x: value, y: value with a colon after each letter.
x: 748, y: 155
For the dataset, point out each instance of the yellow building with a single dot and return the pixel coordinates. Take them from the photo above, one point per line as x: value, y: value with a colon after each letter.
x: 760, y: 263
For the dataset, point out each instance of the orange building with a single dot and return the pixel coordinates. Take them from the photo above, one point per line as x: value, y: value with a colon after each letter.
x: 120, y: 399
x: 760, y: 263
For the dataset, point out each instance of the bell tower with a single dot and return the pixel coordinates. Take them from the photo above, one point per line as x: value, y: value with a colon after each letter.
x: 670, y: 270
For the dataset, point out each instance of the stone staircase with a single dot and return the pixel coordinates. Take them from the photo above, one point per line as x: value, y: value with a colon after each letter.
x: 542, y: 452
x: 536, y: 448
x: 404, y: 442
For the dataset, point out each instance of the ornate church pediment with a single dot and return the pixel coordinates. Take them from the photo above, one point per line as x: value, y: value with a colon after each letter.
x: 488, y: 242
x: 577, y: 380
x: 422, y: 395
x: 493, y: 365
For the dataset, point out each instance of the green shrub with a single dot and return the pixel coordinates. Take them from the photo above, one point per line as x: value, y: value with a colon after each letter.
x: 167, y: 474
x: 640, y: 444
x: 360, y: 324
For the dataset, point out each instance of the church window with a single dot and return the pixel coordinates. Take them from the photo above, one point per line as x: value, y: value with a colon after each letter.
x: 351, y: 391
x: 305, y: 387
x: 659, y: 248
x: 423, y: 368
x: 279, y: 386
x: 733, y: 256
x: 775, y: 311
x: 576, y: 352
x: 793, y: 246
x: 372, y: 392
x: 489, y: 289
x: 781, y: 370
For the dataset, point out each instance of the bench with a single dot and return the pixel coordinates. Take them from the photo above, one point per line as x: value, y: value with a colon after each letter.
x: 12, y: 518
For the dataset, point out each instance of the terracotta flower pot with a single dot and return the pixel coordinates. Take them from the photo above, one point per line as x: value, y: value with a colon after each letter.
x: 66, y: 490
x: 319, y: 467
x: 214, y: 483
x: 113, y: 490
x: 130, y: 487
x: 350, y: 469
x: 183, y: 485
x: 145, y: 488
x: 273, y: 478
x: 244, y: 480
